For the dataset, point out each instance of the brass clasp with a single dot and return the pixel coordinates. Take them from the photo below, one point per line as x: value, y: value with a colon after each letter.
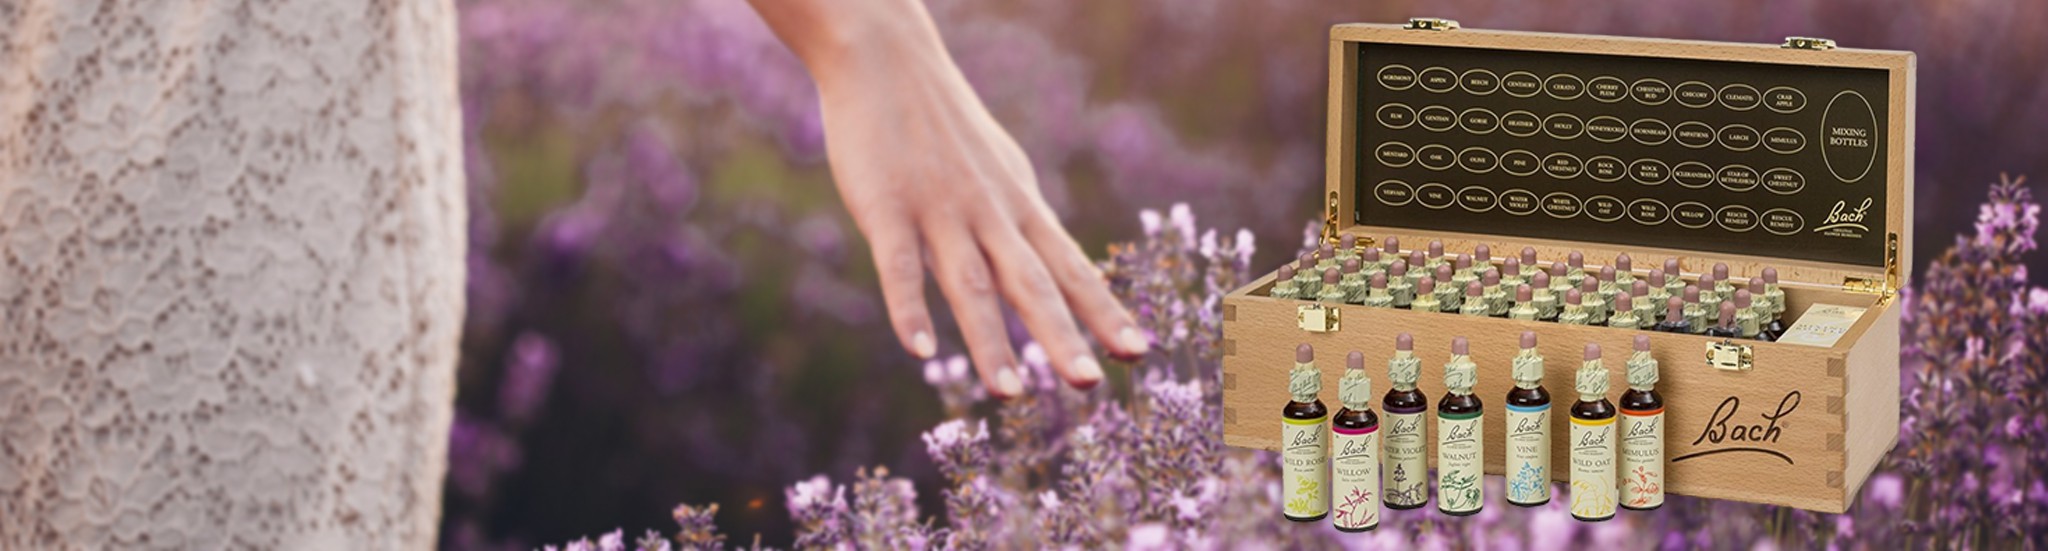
x: 1729, y: 356
x: 1317, y: 318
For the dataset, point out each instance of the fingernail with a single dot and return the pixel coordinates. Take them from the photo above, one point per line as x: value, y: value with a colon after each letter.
x: 1087, y: 370
x: 922, y: 345
x: 1007, y: 383
x: 1131, y: 341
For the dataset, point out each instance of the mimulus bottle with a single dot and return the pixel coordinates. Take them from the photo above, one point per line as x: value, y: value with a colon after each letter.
x: 1642, y: 433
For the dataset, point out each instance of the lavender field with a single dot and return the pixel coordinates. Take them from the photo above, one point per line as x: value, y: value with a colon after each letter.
x: 673, y: 325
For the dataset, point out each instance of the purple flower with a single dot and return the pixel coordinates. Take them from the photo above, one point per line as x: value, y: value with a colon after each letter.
x: 528, y: 376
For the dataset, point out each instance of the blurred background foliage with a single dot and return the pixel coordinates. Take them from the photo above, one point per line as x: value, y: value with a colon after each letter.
x: 667, y: 302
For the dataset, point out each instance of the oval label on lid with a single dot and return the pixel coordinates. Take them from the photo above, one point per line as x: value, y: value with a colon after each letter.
x: 1650, y: 131
x: 1693, y: 134
x: 1650, y: 91
x: 1479, y: 82
x: 1695, y: 94
x: 1563, y: 86
x: 1785, y: 99
x: 1607, y: 89
x: 1739, y: 137
x: 1736, y: 218
x: 1437, y: 117
x: 1521, y: 123
x: 1563, y: 126
x: 1784, y: 181
x: 1784, y: 140
x: 1563, y: 166
x: 1740, y: 97
x: 1648, y: 212
x: 1478, y: 120
x: 1395, y: 115
x: 1476, y: 199
x: 1397, y: 77
x: 1649, y: 172
x: 1478, y: 160
x: 1737, y: 178
x: 1606, y: 168
x: 1521, y: 84
x: 1436, y: 196
x: 1438, y: 79
x: 1849, y: 136
x: 1692, y: 214
x: 1562, y: 205
x: 1693, y: 174
x: 1394, y: 193
x: 1605, y: 208
x: 1519, y: 202
x: 1607, y: 128
x: 1436, y: 157
x: 1783, y: 221
x: 1394, y: 154
x: 1520, y: 162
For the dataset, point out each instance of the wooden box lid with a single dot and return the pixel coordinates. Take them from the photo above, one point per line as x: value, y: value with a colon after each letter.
x: 1749, y: 154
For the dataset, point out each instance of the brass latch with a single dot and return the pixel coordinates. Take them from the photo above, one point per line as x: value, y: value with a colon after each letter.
x: 1807, y: 43
x: 1729, y: 356
x: 1432, y: 24
x: 1316, y: 318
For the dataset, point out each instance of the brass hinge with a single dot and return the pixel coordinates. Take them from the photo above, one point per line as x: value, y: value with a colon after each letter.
x: 1317, y: 317
x: 1807, y: 43
x: 1330, y: 220
x: 1888, y: 284
x: 1432, y: 24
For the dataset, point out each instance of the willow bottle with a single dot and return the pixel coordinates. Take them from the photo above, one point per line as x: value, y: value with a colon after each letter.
x: 1376, y: 295
x: 1399, y: 286
x: 1461, y: 437
x: 1525, y: 304
x: 1283, y: 284
x: 1307, y: 279
x: 1674, y: 317
x: 1592, y: 445
x: 1642, y: 433
x: 1624, y: 318
x: 1355, y: 467
x: 1332, y: 290
x: 1528, y: 428
x: 1775, y: 297
x: 1305, y: 443
x: 1407, y: 439
x: 1546, y: 301
x: 1475, y: 301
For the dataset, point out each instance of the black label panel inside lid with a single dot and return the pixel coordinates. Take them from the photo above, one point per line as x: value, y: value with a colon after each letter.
x: 1760, y: 159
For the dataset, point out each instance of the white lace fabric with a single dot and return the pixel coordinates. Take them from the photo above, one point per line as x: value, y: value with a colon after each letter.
x: 231, y: 272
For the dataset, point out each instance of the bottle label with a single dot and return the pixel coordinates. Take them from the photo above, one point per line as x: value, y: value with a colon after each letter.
x: 1305, y: 467
x: 1460, y: 462
x: 1355, y: 478
x: 1593, y: 485
x: 1406, y: 460
x: 1528, y: 466
x: 1642, y: 458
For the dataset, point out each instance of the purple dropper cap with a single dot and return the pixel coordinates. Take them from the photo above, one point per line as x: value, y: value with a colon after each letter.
x: 1352, y: 266
x: 1576, y: 260
x: 1372, y: 255
x: 1592, y: 351
x: 1474, y: 291
x: 1393, y: 246
x: 1557, y: 269
x: 1379, y: 281
x: 1528, y: 339
x: 1464, y: 261
x: 1707, y: 281
x: 1657, y: 276
x: 1720, y: 271
x: 1639, y: 289
x: 1607, y: 274
x: 1727, y: 314
x: 1425, y: 286
x: 1528, y: 256
x: 1347, y: 242
x: 1574, y: 296
x: 1674, y: 309
x: 1490, y: 278
x: 1514, y: 265
x: 1756, y: 286
x: 1771, y: 276
x: 1483, y: 253
x: 1524, y: 294
x: 1436, y: 248
x: 1671, y: 267
x: 1304, y: 353
x: 1356, y: 360
x: 1399, y: 268
x: 1331, y: 277
x: 1443, y: 272
x: 1404, y: 342
x: 1621, y: 299
x: 1307, y: 260
x: 1415, y: 259
x: 1742, y: 298
x: 1692, y: 293
x: 1624, y: 263
x: 1460, y: 347
x: 1589, y: 285
x: 1541, y: 279
x: 1642, y: 343
x: 1286, y: 271
x: 1326, y: 251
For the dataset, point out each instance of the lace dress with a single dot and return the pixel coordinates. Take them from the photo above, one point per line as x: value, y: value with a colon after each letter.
x: 231, y: 272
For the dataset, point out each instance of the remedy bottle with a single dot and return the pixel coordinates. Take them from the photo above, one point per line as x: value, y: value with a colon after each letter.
x: 1399, y: 286
x: 1511, y: 274
x: 1546, y: 300
x: 1307, y: 279
x: 1525, y: 304
x: 1528, y: 428
x: 1353, y: 281
x: 1283, y: 284
x: 1461, y: 437
x: 1745, y: 315
x: 1593, y: 484
x: 1475, y: 301
x: 1326, y: 257
x: 1646, y: 307
x: 1529, y: 266
x: 1624, y: 271
x: 1589, y: 296
x: 1726, y: 328
x: 1560, y: 281
x: 1391, y: 248
x: 1762, y: 310
x: 1775, y: 297
x: 1332, y: 290
x: 1674, y: 280
x: 1449, y: 291
x: 1574, y: 309
x: 1355, y: 468
x: 1710, y: 301
x: 1496, y: 299
x: 1304, y: 443
x: 1659, y: 290
x: 1575, y: 264
x: 1722, y: 286
x: 1642, y: 433
x: 1674, y: 317
x: 1624, y: 318
x: 1436, y: 256
x: 1482, y: 259
x: 1609, y: 286
x: 1407, y: 440
x: 1370, y: 263
x: 1695, y: 312
x: 1425, y: 296
x: 1347, y: 248
x: 1417, y: 267
x: 1376, y: 295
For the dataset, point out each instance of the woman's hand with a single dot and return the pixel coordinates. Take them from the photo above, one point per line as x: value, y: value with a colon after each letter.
x: 934, y: 182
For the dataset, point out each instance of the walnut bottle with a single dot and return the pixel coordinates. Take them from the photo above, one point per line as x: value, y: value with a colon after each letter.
x: 1592, y: 444
x: 1407, y: 439
x: 1304, y: 443
x: 1461, y: 437
x: 1355, y: 439
x: 1642, y: 433
x: 1528, y: 428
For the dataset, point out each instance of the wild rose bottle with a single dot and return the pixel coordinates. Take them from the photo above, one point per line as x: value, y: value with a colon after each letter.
x: 1496, y: 299
x: 1353, y: 281
x: 1525, y: 304
x: 1461, y: 437
x: 1399, y: 286
x: 1592, y: 445
x: 1596, y: 307
x: 1726, y: 328
x: 1355, y: 468
x: 1674, y: 317
x: 1645, y: 307
x: 1775, y: 297
x: 1376, y: 295
x: 1332, y: 288
x: 1307, y: 279
x: 1475, y: 301
x: 1745, y: 315
x: 1283, y: 284
x: 1642, y: 433
x: 1449, y: 295
x: 1425, y: 297
x: 1574, y: 309
x: 1528, y: 428
x: 1624, y: 318
x: 1407, y: 439
x: 1546, y: 300
x: 1304, y: 443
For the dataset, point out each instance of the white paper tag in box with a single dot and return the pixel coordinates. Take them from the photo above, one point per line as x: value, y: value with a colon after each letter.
x: 1822, y: 325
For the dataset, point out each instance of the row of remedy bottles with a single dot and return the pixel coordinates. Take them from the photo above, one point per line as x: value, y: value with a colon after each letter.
x: 1567, y: 292
x: 1345, y: 467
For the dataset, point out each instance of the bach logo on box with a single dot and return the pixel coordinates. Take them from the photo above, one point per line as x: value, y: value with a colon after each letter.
x: 1725, y: 434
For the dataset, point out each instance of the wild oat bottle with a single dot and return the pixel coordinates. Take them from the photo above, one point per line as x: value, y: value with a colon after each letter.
x: 1593, y: 484
x: 1642, y: 433
x: 1355, y: 469
x: 1528, y: 428
x: 1304, y: 443
x: 1461, y: 437
x: 1407, y: 439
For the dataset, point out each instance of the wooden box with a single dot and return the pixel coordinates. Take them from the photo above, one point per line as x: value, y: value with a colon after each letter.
x: 1803, y: 426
